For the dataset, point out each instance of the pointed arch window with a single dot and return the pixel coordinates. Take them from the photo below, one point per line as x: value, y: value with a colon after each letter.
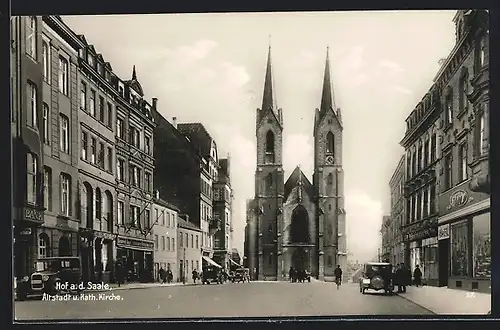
x: 270, y: 147
x: 464, y: 91
x: 330, y: 142
x: 330, y: 178
x: 269, y: 181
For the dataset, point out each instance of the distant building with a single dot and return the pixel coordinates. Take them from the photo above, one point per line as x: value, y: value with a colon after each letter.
x: 189, y: 254
x: 386, y: 250
x: 165, y: 233
x: 398, y: 208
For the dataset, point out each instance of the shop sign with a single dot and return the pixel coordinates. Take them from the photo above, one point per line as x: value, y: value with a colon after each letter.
x: 104, y: 235
x: 421, y: 229
x: 134, y: 243
x: 30, y: 214
x: 444, y: 232
x: 458, y: 198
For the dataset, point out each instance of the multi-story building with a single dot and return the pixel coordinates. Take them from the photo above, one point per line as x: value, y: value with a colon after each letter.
x: 209, y: 224
x: 45, y: 144
x: 97, y: 170
x: 464, y: 200
x: 222, y: 203
x: 421, y: 148
x: 165, y: 233
x: 189, y: 253
x: 385, y: 231
x: 185, y: 168
x: 134, y: 176
x: 250, y: 245
x: 398, y: 207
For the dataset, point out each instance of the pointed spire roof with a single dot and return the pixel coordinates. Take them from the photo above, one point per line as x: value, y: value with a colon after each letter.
x: 134, y: 83
x: 269, y: 97
x: 327, y: 97
x: 134, y: 74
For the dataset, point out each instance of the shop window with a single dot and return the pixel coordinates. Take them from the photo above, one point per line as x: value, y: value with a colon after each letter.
x: 481, y: 250
x: 459, y: 249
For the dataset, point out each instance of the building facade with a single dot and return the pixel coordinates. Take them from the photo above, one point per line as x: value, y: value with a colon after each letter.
x: 386, y: 233
x: 251, y: 238
x: 97, y: 170
x: 165, y: 234
x: 464, y: 200
x: 189, y: 252
x: 298, y: 223
x: 222, y: 205
x: 420, y: 189
x: 398, y: 208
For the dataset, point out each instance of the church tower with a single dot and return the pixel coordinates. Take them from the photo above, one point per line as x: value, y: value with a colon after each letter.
x: 328, y: 181
x: 269, y: 180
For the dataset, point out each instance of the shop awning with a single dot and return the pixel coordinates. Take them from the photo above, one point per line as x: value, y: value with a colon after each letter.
x: 211, y: 262
x: 234, y: 262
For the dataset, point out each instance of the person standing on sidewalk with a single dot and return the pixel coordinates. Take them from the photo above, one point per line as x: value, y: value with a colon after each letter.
x: 195, y: 275
x: 404, y: 277
x: 417, y: 275
x: 169, y: 276
x: 163, y: 275
x: 119, y: 272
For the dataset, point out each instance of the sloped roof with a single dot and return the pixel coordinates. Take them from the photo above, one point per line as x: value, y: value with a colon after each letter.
x: 293, y: 181
x: 198, y: 135
x: 187, y: 225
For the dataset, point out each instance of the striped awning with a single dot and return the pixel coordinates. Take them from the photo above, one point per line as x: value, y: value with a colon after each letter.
x: 211, y: 262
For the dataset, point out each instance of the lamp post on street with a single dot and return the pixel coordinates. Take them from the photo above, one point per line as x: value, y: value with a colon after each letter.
x: 184, y: 270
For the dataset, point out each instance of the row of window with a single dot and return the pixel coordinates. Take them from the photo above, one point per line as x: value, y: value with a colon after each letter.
x: 32, y: 186
x: 184, y: 240
x: 32, y: 120
x: 167, y: 218
x: 205, y: 187
x: 221, y: 194
x: 135, y: 175
x: 422, y: 157
x: 134, y: 135
x: 101, y: 156
x: 167, y: 243
x: 102, y: 111
x: 421, y: 204
x: 188, y: 270
x: 134, y: 216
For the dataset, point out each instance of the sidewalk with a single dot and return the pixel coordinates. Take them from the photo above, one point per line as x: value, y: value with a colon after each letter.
x: 442, y: 300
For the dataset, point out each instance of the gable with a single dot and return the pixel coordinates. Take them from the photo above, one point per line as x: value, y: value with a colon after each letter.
x: 292, y: 182
x: 325, y: 117
x: 269, y: 117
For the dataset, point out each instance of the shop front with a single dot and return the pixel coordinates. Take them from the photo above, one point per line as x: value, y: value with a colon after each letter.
x: 421, y: 239
x: 136, y: 255
x: 27, y: 219
x: 465, y: 226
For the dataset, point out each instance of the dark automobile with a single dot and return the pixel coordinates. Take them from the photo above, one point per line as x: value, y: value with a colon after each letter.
x: 211, y: 274
x: 51, y: 276
x: 241, y: 275
x: 377, y: 276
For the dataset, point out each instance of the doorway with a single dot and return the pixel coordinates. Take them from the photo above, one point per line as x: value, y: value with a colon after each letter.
x: 444, y: 252
x: 300, y: 260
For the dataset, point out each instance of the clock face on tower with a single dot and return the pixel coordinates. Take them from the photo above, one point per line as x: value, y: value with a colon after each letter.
x: 329, y: 160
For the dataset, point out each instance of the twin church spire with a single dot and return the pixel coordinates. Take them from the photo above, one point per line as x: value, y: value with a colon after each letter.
x: 269, y: 101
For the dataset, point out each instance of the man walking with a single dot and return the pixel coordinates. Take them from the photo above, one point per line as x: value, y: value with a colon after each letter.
x: 338, y: 276
x: 417, y: 275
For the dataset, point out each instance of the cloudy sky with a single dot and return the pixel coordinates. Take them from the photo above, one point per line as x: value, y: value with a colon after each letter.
x: 209, y: 68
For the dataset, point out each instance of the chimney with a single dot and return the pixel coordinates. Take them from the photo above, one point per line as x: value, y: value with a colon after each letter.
x: 174, y: 122
x: 187, y: 218
x: 157, y: 194
x: 441, y: 61
x: 155, y: 103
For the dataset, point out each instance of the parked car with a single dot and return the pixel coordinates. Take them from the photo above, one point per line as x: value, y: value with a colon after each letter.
x: 377, y: 276
x: 51, y: 276
x: 241, y: 275
x: 211, y: 274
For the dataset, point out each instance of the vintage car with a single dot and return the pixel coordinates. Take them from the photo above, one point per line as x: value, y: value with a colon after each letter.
x: 377, y: 276
x: 51, y: 276
x: 211, y: 274
x: 241, y: 275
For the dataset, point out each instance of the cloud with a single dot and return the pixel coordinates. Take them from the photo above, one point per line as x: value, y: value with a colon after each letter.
x: 298, y: 150
x: 354, y: 60
x: 390, y: 65
x: 400, y: 90
x: 303, y: 60
x: 188, y: 54
x: 364, y: 217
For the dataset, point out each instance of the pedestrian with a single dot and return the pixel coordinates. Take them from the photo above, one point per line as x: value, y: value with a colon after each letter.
x: 406, y: 276
x: 170, y: 276
x: 162, y: 275
x: 119, y: 273
x: 417, y: 275
x: 397, y: 279
x: 338, y: 276
x: 194, y: 275
x: 291, y: 274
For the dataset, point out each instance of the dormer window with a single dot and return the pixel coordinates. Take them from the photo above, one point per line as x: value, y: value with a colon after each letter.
x: 80, y: 53
x: 91, y: 60
x: 107, y: 75
x: 449, y: 108
x: 100, y: 69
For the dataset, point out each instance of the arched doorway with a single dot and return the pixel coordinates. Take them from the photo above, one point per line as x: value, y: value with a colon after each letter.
x: 300, y: 259
x: 300, y: 225
x: 64, y: 247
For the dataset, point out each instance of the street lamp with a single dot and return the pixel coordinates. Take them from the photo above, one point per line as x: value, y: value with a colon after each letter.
x: 184, y: 271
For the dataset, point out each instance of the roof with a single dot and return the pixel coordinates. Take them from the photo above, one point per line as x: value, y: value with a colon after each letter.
x: 163, y: 203
x: 181, y: 223
x: 293, y: 181
x: 198, y: 135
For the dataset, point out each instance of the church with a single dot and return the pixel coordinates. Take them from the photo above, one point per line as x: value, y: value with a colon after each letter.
x: 299, y: 222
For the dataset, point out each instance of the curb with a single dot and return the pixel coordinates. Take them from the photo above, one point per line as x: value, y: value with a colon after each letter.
x: 419, y: 305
